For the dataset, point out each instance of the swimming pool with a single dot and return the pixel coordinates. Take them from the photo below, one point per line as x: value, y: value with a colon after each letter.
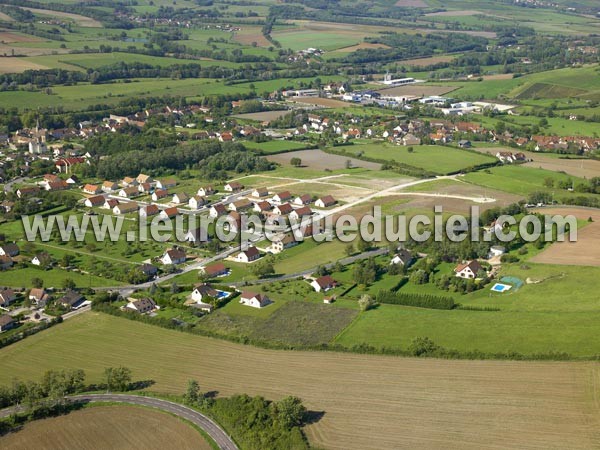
x: 222, y: 294
x: 499, y: 287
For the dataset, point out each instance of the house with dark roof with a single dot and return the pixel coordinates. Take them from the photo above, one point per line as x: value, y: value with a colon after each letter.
x: 403, y: 257
x: 142, y: 305
x: 204, y: 292
x: 6, y: 323
x: 7, y: 296
x: 11, y: 249
x: 72, y: 300
x: 325, y: 202
x: 248, y: 255
x: 173, y: 256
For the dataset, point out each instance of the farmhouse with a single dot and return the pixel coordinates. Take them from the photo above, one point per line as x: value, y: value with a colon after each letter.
x: 148, y: 211
x: 215, y: 270
x: 302, y: 200
x: 142, y: 306
x: 403, y: 257
x: 7, y: 296
x: 324, y: 283
x: 173, y: 256
x: 159, y: 194
x: 233, y: 186
x: 468, y: 269
x: 203, y: 292
x: 91, y: 189
x: 38, y: 296
x: 325, y: 202
x: 248, y: 255
x: 6, y: 323
x: 125, y: 208
x: 95, y: 201
x: 11, y: 249
x: 128, y: 192
x: 204, y: 191
x: 196, y: 202
x: 282, y: 197
x: 254, y: 300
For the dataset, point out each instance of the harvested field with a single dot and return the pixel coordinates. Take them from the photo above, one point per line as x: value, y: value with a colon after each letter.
x: 8, y: 50
x: 405, y: 402
x: 319, y: 160
x: 584, y: 252
x: 498, y: 76
x: 6, y: 17
x: 249, y: 35
x: 583, y: 168
x: 9, y: 37
x: 363, y: 46
x: 16, y: 65
x: 339, y: 191
x: 419, y: 89
x: 107, y: 427
x: 317, y: 101
x: 411, y: 4
x: 484, y: 34
x: 80, y: 20
x: 263, y: 116
x: 422, y: 62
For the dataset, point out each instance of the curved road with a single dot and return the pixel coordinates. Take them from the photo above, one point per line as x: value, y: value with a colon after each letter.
x: 200, y: 420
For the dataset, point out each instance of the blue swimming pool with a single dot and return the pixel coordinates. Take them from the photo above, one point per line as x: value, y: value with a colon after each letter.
x: 222, y: 294
x: 499, y: 287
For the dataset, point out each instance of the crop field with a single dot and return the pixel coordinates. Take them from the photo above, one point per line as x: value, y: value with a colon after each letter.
x: 419, y: 90
x: 16, y: 65
x: 542, y: 404
x: 251, y: 35
x: 319, y: 160
x: 411, y: 4
x: 584, y: 252
x: 105, y: 428
x: 361, y: 46
x: 263, y: 115
x: 422, y: 62
x: 434, y: 158
x: 317, y: 101
x: 80, y: 20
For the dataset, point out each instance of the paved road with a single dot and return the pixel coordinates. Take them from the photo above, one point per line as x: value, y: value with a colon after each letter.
x: 200, y: 420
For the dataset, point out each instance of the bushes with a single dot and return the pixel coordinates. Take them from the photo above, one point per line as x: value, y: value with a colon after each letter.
x: 416, y: 300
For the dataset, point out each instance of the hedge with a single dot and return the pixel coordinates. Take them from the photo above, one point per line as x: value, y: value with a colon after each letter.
x: 417, y: 300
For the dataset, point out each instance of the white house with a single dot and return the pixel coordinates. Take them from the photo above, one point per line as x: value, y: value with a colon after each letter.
x: 203, y: 292
x: 173, y: 256
x: 248, y: 255
x: 254, y: 300
x: 324, y: 283
x: 325, y: 202
x: 468, y: 269
x: 196, y: 202
x: 181, y: 197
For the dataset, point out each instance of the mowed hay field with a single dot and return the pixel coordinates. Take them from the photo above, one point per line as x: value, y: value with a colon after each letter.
x: 80, y: 20
x: 585, y: 251
x: 17, y: 65
x: 319, y: 160
x: 107, y: 427
x: 369, y: 402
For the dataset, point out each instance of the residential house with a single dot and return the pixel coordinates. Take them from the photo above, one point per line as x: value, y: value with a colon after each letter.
x: 225, y: 137
x: 95, y: 201
x: 496, y: 250
x: 181, y: 197
x: 40, y: 259
x: 254, y: 300
x: 280, y: 244
x: 282, y: 197
x: 73, y: 179
x: 304, y: 199
x: 233, y: 186
x: 149, y: 270
x: 505, y: 157
x: 403, y: 257
x: 173, y: 256
x: 159, y: 194
x: 54, y: 186
x: 468, y: 269
x: 165, y: 184
x: 205, y: 191
x: 149, y: 211
x: 410, y: 139
x: 240, y: 205
x: 10, y: 249
x: 128, y: 192
x: 260, y: 192
x: 142, y: 305
x: 38, y: 296
x: 72, y: 300
x: 109, y: 186
x: 217, y: 210
x: 262, y: 207
x: 169, y: 213
x: 142, y: 178
x: 463, y: 143
x: 300, y: 213
x: 215, y: 270
x: 144, y: 188
x: 91, y: 189
x: 125, y: 208
x: 26, y: 191
x: 110, y: 203
x: 196, y: 202
x: 128, y: 182
x: 7, y: 296
x: 283, y: 210
x: 324, y: 283
x: 248, y: 255
x: 325, y: 202
x: 204, y: 292
x: 6, y: 323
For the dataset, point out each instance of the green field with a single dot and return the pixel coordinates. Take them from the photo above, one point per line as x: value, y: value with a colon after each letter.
x: 434, y: 158
x: 270, y: 147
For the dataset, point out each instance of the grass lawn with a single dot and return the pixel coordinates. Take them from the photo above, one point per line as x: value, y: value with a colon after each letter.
x: 274, y: 146
x: 52, y: 278
x: 434, y: 158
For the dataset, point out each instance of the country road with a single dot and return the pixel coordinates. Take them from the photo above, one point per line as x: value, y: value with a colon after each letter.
x: 200, y: 420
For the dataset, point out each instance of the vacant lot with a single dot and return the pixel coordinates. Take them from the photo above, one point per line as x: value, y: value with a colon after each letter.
x: 419, y: 89
x: 107, y: 427
x: 80, y: 20
x: 369, y: 402
x: 584, y: 252
x: 17, y: 65
x: 319, y: 160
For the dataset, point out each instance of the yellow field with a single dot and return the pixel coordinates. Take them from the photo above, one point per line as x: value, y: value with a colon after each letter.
x: 369, y: 402
x: 107, y: 427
